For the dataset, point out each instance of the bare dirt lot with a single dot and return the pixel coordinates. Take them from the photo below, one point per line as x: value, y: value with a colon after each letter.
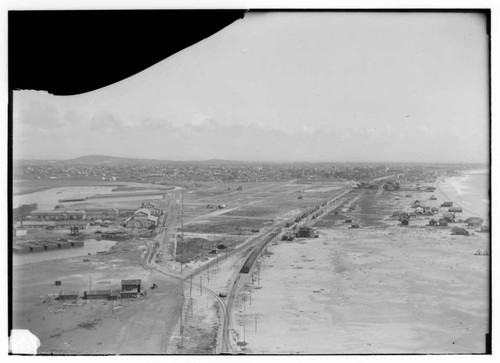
x: 98, y: 326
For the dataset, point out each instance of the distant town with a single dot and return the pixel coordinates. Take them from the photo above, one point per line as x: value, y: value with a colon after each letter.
x: 104, y: 168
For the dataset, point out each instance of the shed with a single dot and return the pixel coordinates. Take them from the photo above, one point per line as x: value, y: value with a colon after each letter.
x: 131, y: 285
x: 68, y: 295
x: 63, y: 245
x: 128, y: 294
x: 459, y: 231
x: 449, y: 216
x: 474, y: 221
x: 305, y: 232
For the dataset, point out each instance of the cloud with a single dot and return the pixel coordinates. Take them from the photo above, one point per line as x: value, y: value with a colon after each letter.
x: 106, y: 122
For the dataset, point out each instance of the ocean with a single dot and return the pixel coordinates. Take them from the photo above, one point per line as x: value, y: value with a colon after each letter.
x: 471, y: 191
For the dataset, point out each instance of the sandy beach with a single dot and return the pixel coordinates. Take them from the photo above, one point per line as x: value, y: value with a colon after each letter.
x: 379, y: 289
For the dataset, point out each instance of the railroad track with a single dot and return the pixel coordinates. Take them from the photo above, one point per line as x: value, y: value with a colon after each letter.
x: 258, y: 242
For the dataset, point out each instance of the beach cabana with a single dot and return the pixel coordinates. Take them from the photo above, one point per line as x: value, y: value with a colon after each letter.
x: 474, y: 221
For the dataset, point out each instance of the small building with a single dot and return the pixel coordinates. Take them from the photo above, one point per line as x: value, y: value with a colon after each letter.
x: 405, y: 222
x: 354, y: 225
x: 433, y: 222
x: 474, y: 221
x: 37, y: 225
x: 434, y: 209
x: 305, y: 232
x: 447, y: 204
x: 450, y: 217
x: 128, y: 294
x: 455, y: 209
x: 101, y: 214
x: 433, y: 197
x: 131, y: 285
x: 76, y: 214
x: 49, y: 215
x: 68, y: 295
x: 142, y: 218
x: 153, y: 209
x: 484, y: 229
x: 459, y: 231
x: 430, y: 189
x: 443, y: 222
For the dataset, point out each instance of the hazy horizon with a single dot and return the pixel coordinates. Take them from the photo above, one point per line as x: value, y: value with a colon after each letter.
x: 256, y: 161
x: 287, y: 87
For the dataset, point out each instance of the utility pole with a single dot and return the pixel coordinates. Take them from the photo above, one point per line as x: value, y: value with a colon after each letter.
x: 201, y: 284
x: 208, y: 273
x: 250, y: 297
x: 182, y: 331
x: 182, y: 216
x: 191, y: 286
x: 244, y: 337
x: 258, y: 274
x: 90, y: 283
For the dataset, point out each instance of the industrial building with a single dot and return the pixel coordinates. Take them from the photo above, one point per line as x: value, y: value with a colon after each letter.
x: 54, y: 224
x: 142, y: 218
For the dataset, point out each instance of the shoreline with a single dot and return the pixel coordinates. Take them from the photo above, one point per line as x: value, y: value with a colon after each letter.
x: 448, y: 190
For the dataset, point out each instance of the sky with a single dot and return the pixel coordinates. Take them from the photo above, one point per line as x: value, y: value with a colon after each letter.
x: 340, y: 87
